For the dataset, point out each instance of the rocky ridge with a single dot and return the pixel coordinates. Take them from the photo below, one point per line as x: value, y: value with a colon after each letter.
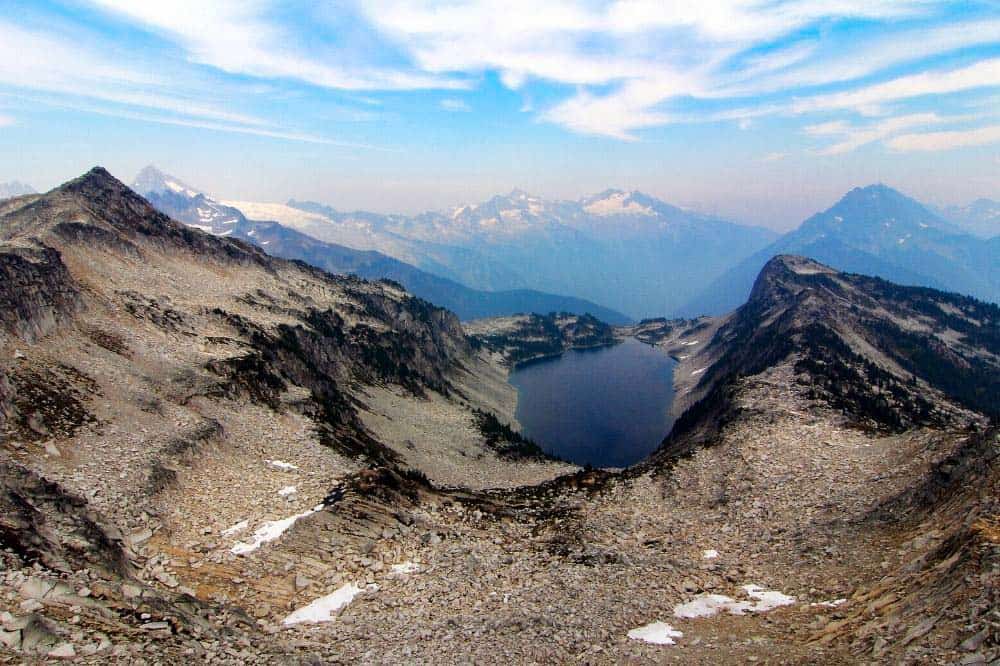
x: 203, y: 444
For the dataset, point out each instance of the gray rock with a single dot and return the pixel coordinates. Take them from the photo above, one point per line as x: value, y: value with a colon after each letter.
x: 973, y: 642
x: 62, y: 651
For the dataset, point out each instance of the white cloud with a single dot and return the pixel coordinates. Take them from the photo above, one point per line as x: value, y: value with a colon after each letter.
x: 774, y: 157
x: 837, y: 62
x: 648, y: 52
x: 935, y: 141
x: 618, y: 114
x: 67, y: 71
x: 239, y: 37
x: 853, y: 137
x: 6, y: 121
x: 455, y: 105
x: 60, y: 64
x: 629, y: 63
x: 981, y: 74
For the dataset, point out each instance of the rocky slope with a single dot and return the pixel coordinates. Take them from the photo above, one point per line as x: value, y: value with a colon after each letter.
x: 149, y: 369
x: 892, y: 357
x: 211, y: 454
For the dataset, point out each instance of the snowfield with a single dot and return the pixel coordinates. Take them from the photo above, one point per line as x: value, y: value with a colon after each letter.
x: 322, y: 609
x: 271, y: 530
x: 658, y: 633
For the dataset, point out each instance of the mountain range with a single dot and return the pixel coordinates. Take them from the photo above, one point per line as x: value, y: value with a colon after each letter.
x: 211, y: 454
x: 877, y: 231
x: 625, y: 250
x: 14, y: 188
x: 196, y: 209
x: 980, y: 218
x: 616, y: 249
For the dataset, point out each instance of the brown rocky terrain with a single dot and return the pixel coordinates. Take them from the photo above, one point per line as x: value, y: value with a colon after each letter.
x: 210, y: 454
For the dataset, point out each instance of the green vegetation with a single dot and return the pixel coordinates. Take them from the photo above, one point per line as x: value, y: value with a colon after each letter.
x: 507, y: 442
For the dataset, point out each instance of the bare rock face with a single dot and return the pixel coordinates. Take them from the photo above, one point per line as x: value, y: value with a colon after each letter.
x: 42, y: 522
x: 37, y: 293
x: 890, y: 357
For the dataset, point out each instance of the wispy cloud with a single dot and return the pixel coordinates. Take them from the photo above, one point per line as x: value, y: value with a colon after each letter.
x: 455, y: 105
x: 6, y: 121
x: 63, y: 64
x: 979, y: 75
x: 934, y: 141
x: 608, y: 68
x: 242, y: 37
x: 833, y: 61
x: 631, y: 59
x: 774, y: 157
x: 65, y: 71
x: 852, y: 137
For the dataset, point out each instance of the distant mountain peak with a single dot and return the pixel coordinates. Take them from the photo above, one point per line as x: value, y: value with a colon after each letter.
x: 875, y: 209
x: 151, y: 179
x: 618, y: 202
x: 15, y: 188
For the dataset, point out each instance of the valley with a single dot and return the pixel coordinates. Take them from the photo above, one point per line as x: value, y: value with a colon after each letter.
x: 209, y: 453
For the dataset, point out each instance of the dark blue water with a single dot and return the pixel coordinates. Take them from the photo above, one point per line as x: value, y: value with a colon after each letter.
x: 607, y: 407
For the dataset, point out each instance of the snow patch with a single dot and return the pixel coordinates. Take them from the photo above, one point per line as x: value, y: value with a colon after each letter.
x: 767, y: 599
x: 658, y: 633
x: 271, y: 530
x: 287, y: 490
x: 404, y: 568
x: 708, y: 605
x: 690, y: 342
x: 830, y: 604
x: 322, y: 609
x: 710, y: 554
x: 235, y: 529
x: 281, y: 464
x: 614, y: 204
x: 177, y: 187
x: 699, y: 371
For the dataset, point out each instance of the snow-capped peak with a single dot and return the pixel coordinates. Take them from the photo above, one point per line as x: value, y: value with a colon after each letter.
x: 151, y: 179
x: 617, y: 202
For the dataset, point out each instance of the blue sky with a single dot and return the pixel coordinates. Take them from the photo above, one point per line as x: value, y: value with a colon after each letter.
x: 760, y: 110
